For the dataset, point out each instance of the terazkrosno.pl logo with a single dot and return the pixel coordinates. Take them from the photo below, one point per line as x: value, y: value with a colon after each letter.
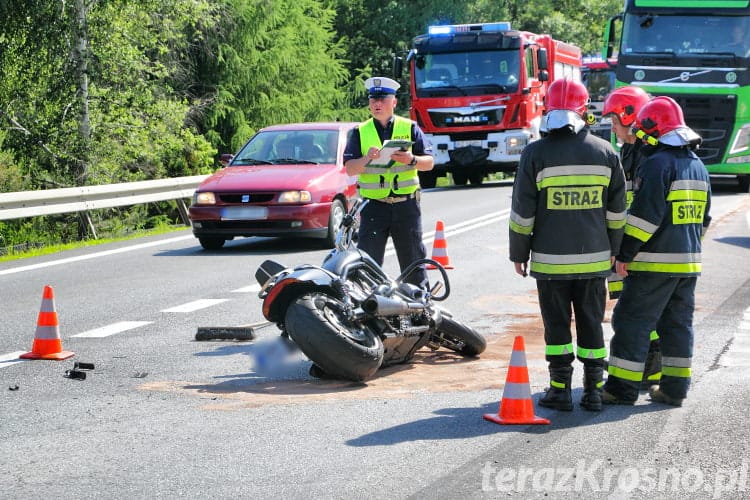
x: 594, y: 476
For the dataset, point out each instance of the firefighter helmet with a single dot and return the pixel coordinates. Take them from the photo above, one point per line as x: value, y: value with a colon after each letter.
x: 565, y: 106
x: 625, y: 103
x: 567, y: 95
x: 662, y: 118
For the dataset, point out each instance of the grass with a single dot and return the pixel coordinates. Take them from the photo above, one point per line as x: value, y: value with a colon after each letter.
x: 50, y: 249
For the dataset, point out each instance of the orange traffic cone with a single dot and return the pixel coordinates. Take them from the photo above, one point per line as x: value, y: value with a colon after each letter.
x: 440, y: 248
x: 47, y: 343
x: 516, y: 406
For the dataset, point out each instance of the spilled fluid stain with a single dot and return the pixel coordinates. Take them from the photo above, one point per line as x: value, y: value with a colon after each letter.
x: 428, y: 372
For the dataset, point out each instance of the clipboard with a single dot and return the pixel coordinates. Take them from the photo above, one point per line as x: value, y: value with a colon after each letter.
x: 390, y: 147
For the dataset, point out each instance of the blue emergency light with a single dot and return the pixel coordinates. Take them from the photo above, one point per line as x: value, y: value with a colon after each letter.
x: 449, y: 29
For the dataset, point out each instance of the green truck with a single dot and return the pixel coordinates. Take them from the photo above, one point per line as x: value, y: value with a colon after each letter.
x: 697, y: 52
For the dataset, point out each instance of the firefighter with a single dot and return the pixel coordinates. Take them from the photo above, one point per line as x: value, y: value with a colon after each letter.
x: 394, y: 190
x: 660, y: 258
x: 566, y: 223
x: 622, y: 106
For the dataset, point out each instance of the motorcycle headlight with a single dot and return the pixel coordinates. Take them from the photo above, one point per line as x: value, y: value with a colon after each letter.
x: 295, y: 197
x: 204, y: 198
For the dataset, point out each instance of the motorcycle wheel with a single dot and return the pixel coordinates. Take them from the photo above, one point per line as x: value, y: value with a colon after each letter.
x: 460, y: 338
x: 339, y: 348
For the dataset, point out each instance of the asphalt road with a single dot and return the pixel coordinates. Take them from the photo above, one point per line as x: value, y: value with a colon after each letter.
x: 165, y: 416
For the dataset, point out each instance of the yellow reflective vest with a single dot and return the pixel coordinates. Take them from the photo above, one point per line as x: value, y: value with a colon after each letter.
x: 378, y: 182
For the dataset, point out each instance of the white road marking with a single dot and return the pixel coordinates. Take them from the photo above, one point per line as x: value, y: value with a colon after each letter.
x: 11, y: 358
x: 94, y: 255
x: 112, y: 329
x: 194, y: 305
x: 247, y: 289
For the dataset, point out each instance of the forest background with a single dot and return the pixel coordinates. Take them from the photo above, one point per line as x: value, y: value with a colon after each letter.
x: 110, y: 91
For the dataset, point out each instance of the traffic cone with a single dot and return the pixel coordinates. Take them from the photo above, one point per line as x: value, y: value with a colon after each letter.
x: 439, y: 248
x: 516, y: 406
x: 47, y: 343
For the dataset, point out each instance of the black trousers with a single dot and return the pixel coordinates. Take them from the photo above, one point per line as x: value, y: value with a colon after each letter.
x: 400, y: 221
x: 587, y: 298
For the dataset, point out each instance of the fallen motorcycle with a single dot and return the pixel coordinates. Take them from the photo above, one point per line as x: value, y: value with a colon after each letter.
x: 350, y: 319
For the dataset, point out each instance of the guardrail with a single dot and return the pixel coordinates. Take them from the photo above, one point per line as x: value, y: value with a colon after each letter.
x: 82, y: 199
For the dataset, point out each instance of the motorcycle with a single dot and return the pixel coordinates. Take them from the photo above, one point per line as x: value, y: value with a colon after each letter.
x: 350, y: 319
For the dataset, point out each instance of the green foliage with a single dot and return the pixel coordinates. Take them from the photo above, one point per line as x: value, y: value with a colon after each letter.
x: 128, y: 90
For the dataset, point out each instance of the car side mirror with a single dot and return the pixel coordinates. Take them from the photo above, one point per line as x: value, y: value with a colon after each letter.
x: 225, y: 159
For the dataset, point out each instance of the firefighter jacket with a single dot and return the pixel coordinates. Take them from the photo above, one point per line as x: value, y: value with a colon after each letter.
x: 630, y: 156
x: 378, y: 182
x: 669, y: 214
x: 568, y: 208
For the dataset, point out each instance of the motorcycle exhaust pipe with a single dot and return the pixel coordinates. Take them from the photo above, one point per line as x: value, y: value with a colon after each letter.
x: 377, y: 305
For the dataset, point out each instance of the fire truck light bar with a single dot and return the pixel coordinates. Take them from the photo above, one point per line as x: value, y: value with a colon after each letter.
x: 449, y: 29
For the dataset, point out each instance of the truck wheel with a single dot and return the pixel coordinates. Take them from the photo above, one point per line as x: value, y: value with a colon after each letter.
x: 427, y: 180
x: 476, y: 178
x: 340, y: 348
x: 460, y: 178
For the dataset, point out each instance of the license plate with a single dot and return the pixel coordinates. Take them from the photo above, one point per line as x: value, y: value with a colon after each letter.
x: 244, y: 213
x: 466, y: 144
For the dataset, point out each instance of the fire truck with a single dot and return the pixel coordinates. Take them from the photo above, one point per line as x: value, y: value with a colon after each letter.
x: 477, y: 91
x: 599, y: 77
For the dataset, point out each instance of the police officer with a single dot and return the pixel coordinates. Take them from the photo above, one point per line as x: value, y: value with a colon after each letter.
x: 660, y: 258
x: 622, y: 106
x: 394, y: 208
x: 567, y: 218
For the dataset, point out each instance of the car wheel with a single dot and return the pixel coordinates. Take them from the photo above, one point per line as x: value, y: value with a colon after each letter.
x: 211, y: 243
x: 334, y: 221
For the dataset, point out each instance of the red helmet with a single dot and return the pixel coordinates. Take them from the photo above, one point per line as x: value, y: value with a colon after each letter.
x: 660, y: 116
x: 625, y: 103
x: 567, y: 95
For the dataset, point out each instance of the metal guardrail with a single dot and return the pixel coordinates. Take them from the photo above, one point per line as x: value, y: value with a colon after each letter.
x: 82, y: 199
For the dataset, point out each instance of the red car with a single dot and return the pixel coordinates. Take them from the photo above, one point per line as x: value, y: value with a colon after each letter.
x: 288, y: 180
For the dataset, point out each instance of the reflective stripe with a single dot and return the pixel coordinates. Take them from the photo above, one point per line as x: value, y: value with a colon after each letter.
x: 624, y: 374
x: 556, y: 384
x: 558, y: 350
x: 640, y: 228
x: 585, y: 353
x: 653, y: 335
x: 678, y: 362
x: 687, y: 195
x: 668, y: 258
x: 672, y: 371
x: 654, y: 376
x: 689, y: 184
x: 690, y: 268
x: 522, y: 221
x: 593, y: 267
x: 616, y: 220
x: 376, y: 185
x: 570, y: 263
x: 632, y: 366
x: 680, y: 263
x: 549, y: 258
x: 516, y: 391
x: 563, y: 174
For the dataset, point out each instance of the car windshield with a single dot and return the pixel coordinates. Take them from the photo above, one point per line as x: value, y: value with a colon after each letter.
x: 275, y: 147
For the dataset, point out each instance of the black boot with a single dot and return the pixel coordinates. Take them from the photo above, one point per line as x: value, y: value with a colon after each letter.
x: 558, y: 395
x: 592, y: 388
x: 652, y: 370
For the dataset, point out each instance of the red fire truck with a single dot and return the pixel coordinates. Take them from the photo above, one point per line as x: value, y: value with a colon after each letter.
x: 599, y: 77
x: 477, y: 91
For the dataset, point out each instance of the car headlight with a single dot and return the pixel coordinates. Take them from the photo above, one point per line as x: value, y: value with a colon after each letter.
x: 294, y: 197
x: 204, y: 198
